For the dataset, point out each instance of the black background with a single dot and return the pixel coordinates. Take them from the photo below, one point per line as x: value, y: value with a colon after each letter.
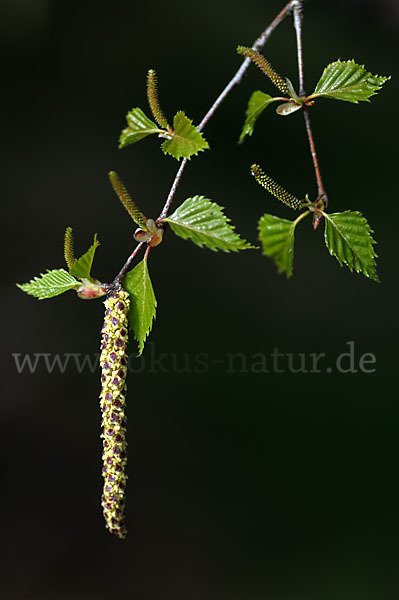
x: 241, y: 485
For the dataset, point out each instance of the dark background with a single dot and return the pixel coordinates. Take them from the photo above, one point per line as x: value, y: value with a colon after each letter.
x: 241, y: 485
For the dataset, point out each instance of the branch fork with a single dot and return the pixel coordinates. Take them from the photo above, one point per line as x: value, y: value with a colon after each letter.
x: 294, y: 6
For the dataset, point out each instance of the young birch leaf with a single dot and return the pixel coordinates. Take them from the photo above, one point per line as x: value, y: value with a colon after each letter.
x: 82, y: 266
x: 277, y: 239
x: 186, y: 140
x: 204, y: 223
x: 348, y: 238
x: 256, y: 105
x: 139, y: 127
x: 50, y: 284
x: 346, y: 80
x: 142, y: 302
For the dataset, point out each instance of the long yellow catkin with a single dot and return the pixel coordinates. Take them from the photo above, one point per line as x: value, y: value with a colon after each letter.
x: 113, y: 401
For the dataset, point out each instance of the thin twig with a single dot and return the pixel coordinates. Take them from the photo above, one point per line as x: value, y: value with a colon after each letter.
x: 321, y: 192
x: 298, y: 18
x: 297, y: 11
x: 173, y: 190
x: 257, y: 45
x: 126, y: 266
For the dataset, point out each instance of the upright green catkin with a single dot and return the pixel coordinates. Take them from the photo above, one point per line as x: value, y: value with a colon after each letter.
x: 127, y: 202
x: 152, y: 96
x: 113, y: 401
x: 68, y: 247
x: 263, y: 64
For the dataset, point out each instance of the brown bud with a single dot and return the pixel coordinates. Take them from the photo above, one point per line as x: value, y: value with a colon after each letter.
x: 142, y: 236
x: 153, y: 237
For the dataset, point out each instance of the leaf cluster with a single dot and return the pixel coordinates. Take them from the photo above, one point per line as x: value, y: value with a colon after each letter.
x: 78, y: 277
x: 183, y: 140
x: 340, y: 80
x: 199, y: 220
x: 347, y: 235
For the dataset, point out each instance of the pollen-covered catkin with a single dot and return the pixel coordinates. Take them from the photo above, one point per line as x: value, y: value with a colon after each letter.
x: 113, y: 401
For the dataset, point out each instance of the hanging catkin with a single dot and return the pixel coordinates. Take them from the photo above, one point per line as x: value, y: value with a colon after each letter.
x: 113, y: 363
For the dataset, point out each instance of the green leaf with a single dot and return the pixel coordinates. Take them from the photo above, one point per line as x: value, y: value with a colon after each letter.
x: 142, y: 302
x: 82, y: 266
x: 204, y: 223
x: 256, y: 105
x: 277, y: 239
x: 50, y: 284
x: 348, y: 81
x: 348, y: 238
x: 139, y: 127
x: 186, y: 140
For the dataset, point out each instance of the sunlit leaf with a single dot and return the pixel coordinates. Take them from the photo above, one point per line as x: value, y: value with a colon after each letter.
x: 346, y: 80
x: 142, y: 302
x: 348, y: 238
x: 204, y: 223
x: 277, y: 239
x: 256, y: 105
x: 82, y: 266
x: 186, y: 139
x: 50, y: 284
x: 139, y: 127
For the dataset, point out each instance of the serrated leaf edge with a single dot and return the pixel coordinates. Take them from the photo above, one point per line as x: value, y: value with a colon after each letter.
x: 291, y: 226
x: 175, y: 135
x: 381, y: 79
x: 146, y: 276
x: 38, y: 278
x: 227, y: 221
x: 343, y: 262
